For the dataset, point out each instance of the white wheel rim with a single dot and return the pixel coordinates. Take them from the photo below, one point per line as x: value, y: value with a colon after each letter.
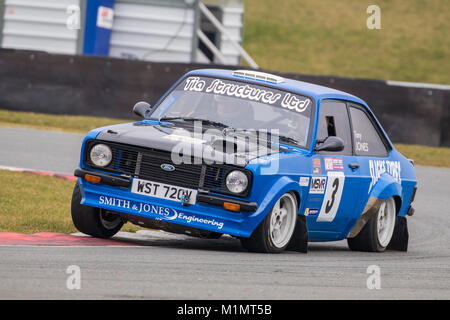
x: 282, y: 220
x: 386, y: 222
x: 108, y: 220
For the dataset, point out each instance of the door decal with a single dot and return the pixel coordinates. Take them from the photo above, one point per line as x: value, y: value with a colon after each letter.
x: 332, y: 198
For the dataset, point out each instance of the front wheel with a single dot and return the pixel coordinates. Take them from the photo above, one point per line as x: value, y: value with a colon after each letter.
x: 93, y: 221
x: 275, y: 232
x: 378, y: 231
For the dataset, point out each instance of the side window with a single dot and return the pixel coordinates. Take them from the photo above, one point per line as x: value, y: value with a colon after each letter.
x: 334, y: 121
x: 366, y: 139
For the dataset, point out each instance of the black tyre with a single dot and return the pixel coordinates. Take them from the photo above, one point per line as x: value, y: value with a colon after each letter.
x: 275, y: 232
x: 378, y: 231
x: 93, y: 221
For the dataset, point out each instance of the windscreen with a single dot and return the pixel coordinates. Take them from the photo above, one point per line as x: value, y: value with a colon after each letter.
x: 240, y: 105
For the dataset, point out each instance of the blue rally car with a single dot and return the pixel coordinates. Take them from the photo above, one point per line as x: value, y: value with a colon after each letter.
x: 271, y: 161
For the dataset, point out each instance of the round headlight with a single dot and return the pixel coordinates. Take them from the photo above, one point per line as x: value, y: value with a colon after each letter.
x: 236, y: 181
x: 101, y: 155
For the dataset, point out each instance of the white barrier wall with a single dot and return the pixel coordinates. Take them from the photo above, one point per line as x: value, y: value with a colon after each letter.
x: 39, y: 25
x: 232, y: 20
x: 152, y: 32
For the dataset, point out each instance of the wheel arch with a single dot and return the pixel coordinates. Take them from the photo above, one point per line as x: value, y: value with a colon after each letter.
x: 297, y: 198
x: 398, y: 203
x: 385, y: 188
x: 271, y: 195
x: 259, y: 240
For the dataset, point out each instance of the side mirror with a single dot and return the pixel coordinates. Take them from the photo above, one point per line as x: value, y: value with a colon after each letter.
x: 331, y: 143
x: 142, y: 109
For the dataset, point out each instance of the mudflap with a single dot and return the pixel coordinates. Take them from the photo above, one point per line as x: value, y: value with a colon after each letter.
x: 400, y: 237
x: 299, y: 241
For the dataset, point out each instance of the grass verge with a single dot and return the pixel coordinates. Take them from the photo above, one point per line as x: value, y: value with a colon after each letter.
x: 75, y: 124
x: 331, y: 37
x: 33, y: 203
x: 426, y: 156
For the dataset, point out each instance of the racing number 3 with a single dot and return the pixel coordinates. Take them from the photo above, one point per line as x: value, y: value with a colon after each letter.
x: 330, y: 203
x: 332, y: 198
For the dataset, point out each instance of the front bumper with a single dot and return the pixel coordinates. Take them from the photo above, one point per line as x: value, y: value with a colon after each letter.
x: 114, y: 193
x: 107, y: 179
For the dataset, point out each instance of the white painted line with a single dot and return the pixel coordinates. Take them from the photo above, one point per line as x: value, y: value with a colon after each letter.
x: 55, y: 246
x: 14, y: 168
x: 418, y: 85
x: 17, y: 169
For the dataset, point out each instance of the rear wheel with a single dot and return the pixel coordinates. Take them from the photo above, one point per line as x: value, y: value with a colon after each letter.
x: 93, y: 221
x: 275, y: 231
x: 378, y: 231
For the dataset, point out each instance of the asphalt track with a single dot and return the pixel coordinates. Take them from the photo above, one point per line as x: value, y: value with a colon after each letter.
x: 165, y: 266
x: 39, y: 149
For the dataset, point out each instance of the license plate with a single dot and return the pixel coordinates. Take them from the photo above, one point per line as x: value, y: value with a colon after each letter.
x: 163, y: 191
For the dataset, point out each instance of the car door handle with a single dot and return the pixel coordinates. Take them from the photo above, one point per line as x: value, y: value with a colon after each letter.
x: 353, y: 166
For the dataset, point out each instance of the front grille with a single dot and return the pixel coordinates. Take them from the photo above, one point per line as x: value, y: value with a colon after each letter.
x: 184, y: 174
x: 145, y: 163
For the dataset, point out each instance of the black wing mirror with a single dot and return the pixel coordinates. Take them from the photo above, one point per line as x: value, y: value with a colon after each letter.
x: 331, y: 143
x: 142, y: 109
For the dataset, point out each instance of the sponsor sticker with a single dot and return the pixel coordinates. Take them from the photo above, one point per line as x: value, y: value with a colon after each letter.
x: 318, y: 185
x: 334, y: 164
x: 311, y: 212
x: 317, y: 166
x: 286, y: 100
x: 160, y: 213
x: 378, y: 167
x: 304, y: 181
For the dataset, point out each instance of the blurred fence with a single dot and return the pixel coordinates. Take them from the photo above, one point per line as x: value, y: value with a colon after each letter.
x: 101, y: 86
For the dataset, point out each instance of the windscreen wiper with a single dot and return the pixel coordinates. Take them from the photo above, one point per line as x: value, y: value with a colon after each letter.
x: 269, y: 135
x: 289, y: 140
x: 190, y: 119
